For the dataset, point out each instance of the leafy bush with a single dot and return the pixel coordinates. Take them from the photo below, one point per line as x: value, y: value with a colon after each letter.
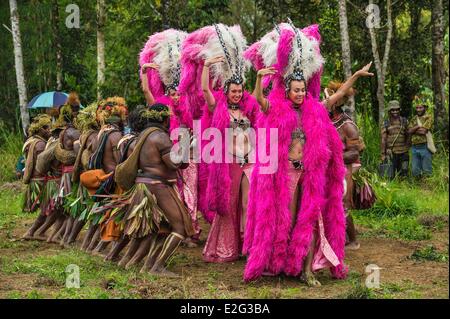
x: 429, y: 253
x: 392, y: 201
x: 10, y: 149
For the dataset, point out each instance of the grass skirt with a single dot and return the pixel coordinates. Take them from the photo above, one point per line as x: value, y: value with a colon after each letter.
x: 50, y: 199
x: 33, y: 195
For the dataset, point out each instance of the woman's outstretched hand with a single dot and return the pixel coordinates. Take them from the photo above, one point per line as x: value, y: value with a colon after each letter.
x: 365, y: 70
x: 216, y: 59
x: 266, y: 71
x: 149, y: 66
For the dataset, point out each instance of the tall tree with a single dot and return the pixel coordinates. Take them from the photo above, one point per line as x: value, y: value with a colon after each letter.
x: 101, y: 17
x: 346, y: 53
x: 18, y: 58
x: 164, y: 14
x: 57, y: 44
x: 438, y: 70
x: 381, y: 65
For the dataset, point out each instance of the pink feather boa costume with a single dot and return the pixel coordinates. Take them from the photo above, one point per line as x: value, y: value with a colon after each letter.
x: 190, y: 87
x: 224, y: 241
x: 269, y: 243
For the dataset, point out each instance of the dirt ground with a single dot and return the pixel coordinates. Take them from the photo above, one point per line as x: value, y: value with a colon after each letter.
x: 400, y: 276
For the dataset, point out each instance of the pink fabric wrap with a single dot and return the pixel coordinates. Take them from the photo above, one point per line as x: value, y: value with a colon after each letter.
x: 224, y: 243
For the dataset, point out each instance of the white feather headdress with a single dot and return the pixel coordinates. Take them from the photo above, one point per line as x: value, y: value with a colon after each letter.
x: 164, y: 49
x: 305, y: 52
x: 231, y: 43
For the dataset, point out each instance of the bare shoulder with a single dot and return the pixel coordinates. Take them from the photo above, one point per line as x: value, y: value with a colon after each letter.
x: 115, y: 137
x: 72, y: 133
x: 91, y: 138
x: 40, y: 146
x: 350, y: 130
x: 160, y: 139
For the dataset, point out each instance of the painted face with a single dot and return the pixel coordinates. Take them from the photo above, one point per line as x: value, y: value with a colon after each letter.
x: 297, y: 92
x: 45, y: 132
x: 235, y: 92
x: 420, y: 109
x: 174, y: 95
x: 75, y: 108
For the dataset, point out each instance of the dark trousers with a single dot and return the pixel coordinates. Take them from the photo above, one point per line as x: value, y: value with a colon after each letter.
x: 400, y: 164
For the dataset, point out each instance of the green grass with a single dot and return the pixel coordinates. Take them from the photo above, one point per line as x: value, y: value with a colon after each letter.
x: 11, y: 146
x: 10, y: 209
x: 97, y: 278
x: 407, y: 209
x: 429, y: 253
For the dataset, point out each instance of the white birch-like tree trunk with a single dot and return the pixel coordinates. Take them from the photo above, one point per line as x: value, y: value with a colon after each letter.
x: 101, y: 12
x: 346, y: 53
x: 438, y: 70
x: 55, y: 26
x: 18, y: 61
x: 381, y: 65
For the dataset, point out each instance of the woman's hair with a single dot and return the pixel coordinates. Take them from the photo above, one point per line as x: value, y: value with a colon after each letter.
x: 135, y: 121
x: 155, y: 115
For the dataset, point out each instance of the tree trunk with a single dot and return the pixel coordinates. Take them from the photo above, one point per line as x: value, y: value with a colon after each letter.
x: 438, y: 71
x: 164, y: 14
x: 101, y: 12
x: 381, y: 65
x: 18, y: 59
x: 346, y: 53
x: 55, y: 26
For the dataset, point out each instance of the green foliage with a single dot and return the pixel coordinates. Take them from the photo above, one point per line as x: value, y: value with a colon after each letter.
x: 429, y: 253
x: 10, y: 209
x: 405, y: 210
x: 370, y: 132
x: 10, y: 150
x: 358, y: 291
x: 391, y: 200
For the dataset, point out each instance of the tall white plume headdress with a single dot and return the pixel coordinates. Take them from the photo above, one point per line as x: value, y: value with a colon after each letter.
x: 231, y: 43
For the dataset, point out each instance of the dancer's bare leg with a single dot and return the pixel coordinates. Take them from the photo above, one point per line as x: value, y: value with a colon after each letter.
x: 58, y: 228
x: 88, y: 236
x: 142, y: 251
x: 245, y: 188
x: 76, y: 229
x: 39, y: 221
x: 155, y: 249
x: 94, y: 241
x: 307, y: 274
x: 134, y: 245
x: 100, y: 248
x: 117, y: 248
x: 67, y: 230
x: 50, y: 220
x: 351, y: 233
x: 178, y: 234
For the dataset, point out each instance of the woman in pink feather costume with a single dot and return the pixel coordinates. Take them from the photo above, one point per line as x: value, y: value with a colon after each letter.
x: 300, y: 228
x: 232, y: 111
